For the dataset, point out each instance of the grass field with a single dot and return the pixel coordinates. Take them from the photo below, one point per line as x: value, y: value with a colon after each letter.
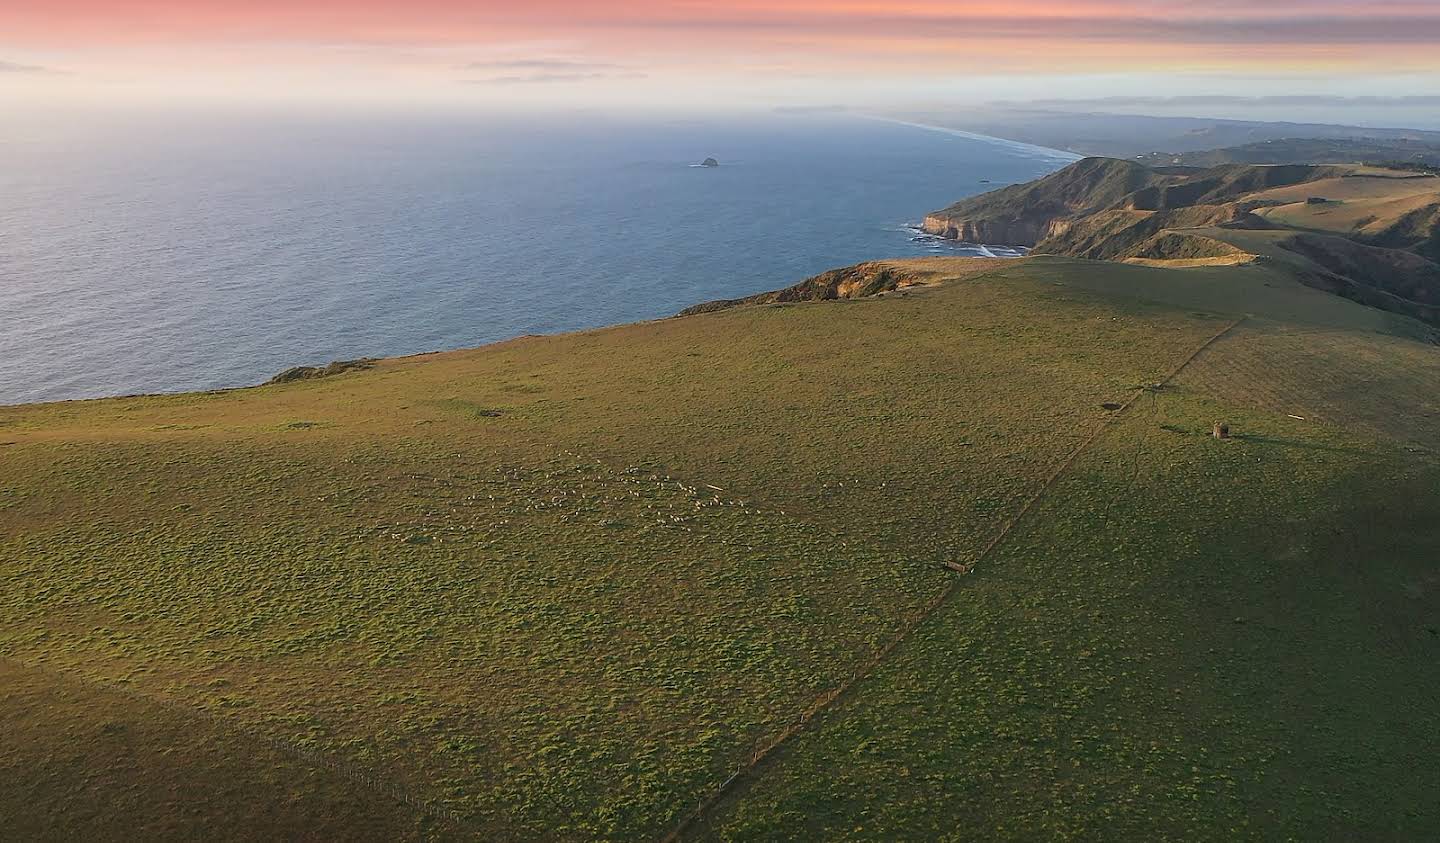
x: 1360, y: 207
x: 1362, y: 185
x: 1188, y: 639
x: 1374, y: 384
x: 84, y: 763
x: 566, y: 587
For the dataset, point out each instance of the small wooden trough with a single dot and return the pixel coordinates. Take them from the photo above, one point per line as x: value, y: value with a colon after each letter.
x: 961, y: 568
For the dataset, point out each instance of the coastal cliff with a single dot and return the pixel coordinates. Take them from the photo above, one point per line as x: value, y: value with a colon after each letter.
x: 1113, y: 210
x: 1025, y: 214
x: 998, y: 232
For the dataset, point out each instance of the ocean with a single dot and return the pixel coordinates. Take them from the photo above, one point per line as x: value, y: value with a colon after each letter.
x: 155, y: 253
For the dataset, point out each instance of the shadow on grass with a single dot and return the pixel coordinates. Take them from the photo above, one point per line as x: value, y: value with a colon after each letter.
x: 1259, y: 439
x: 1298, y: 443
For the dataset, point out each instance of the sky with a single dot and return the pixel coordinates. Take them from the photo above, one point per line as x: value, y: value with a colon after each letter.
x: 706, y: 53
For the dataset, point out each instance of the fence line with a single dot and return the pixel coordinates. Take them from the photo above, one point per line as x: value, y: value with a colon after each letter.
x: 825, y: 700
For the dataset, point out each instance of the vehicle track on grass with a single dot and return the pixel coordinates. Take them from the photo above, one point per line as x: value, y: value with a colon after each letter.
x: 829, y: 698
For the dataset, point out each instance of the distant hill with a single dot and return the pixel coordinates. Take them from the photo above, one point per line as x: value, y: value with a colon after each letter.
x: 1135, y: 135
x: 1025, y: 213
x: 1303, y: 150
x: 1369, y: 234
x: 1028, y: 214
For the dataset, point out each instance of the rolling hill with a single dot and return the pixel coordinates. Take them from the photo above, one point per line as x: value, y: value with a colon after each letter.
x: 1307, y: 150
x: 1367, y: 233
x: 950, y: 554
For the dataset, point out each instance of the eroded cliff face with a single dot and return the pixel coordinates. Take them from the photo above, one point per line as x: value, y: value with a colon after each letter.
x: 1025, y: 231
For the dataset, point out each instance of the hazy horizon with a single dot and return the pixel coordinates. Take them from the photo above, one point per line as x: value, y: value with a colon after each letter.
x: 1309, y: 61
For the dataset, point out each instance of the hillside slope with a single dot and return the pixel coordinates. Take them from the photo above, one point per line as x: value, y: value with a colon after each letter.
x: 578, y: 586
x: 1025, y: 214
x: 1380, y: 222
x: 1416, y: 228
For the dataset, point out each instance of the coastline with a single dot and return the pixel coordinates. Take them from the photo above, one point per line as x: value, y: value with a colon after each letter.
x: 1019, y: 146
x: 255, y: 377
x: 796, y: 293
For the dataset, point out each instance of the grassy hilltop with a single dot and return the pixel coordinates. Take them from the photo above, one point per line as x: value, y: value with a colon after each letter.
x: 951, y: 556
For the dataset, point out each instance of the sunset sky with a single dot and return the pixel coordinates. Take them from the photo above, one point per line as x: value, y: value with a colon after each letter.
x: 742, y: 52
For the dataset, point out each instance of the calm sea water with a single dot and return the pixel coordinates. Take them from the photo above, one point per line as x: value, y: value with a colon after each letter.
x: 166, y: 254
